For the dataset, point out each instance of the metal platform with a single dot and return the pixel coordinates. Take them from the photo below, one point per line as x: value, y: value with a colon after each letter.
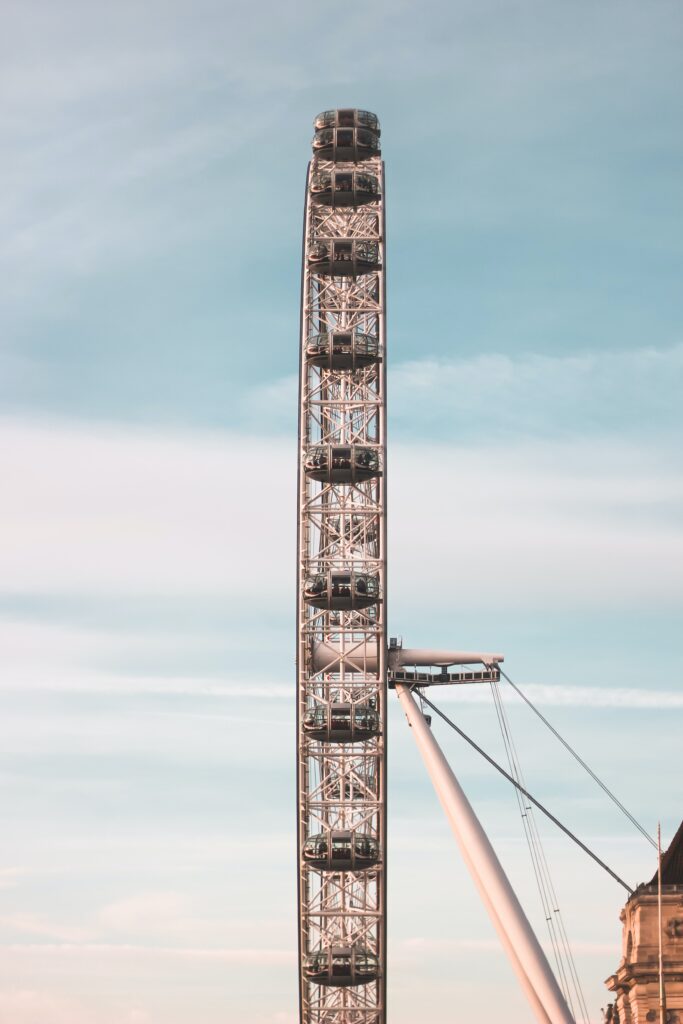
x: 487, y: 675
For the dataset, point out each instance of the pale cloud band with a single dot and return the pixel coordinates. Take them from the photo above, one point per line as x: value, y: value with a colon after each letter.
x: 123, y: 511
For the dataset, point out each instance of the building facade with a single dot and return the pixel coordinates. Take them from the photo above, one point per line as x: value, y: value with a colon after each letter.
x: 635, y: 983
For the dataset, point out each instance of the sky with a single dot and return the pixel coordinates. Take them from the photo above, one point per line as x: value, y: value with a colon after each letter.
x: 153, y: 160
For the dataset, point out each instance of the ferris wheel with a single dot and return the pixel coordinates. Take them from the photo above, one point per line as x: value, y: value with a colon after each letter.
x: 345, y: 661
x: 342, y: 642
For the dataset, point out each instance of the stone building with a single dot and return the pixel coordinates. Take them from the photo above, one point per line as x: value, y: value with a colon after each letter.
x: 635, y: 983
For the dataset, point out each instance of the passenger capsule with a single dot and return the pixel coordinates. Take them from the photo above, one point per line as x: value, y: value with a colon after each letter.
x: 337, y: 464
x: 341, y: 350
x: 341, y: 723
x: 346, y: 135
x: 344, y: 188
x: 344, y: 257
x: 347, y: 117
x: 341, y: 965
x: 341, y: 851
x: 341, y: 591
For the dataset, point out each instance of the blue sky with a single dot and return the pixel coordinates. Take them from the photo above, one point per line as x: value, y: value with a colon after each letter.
x: 153, y: 162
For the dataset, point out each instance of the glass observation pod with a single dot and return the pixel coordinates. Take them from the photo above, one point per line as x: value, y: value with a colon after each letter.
x: 344, y: 257
x: 340, y: 350
x: 346, y: 135
x: 337, y: 464
x: 344, y: 188
x: 341, y: 591
x: 341, y: 723
x: 341, y: 851
x: 347, y: 117
x: 341, y: 965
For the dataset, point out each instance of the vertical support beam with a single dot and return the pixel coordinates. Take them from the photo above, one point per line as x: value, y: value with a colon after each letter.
x: 517, y: 936
x: 662, y: 993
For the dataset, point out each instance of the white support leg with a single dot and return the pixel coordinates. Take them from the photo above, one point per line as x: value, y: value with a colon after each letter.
x: 517, y: 936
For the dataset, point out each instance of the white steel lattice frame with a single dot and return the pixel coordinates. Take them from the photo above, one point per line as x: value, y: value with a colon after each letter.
x: 342, y: 527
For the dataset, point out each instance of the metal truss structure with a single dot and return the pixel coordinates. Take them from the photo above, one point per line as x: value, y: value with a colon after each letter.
x: 345, y: 662
x: 342, y: 642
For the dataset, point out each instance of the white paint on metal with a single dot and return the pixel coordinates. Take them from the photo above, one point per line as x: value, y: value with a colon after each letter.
x: 414, y: 656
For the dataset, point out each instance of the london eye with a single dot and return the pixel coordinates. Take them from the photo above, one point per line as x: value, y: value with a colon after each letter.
x: 341, y: 660
x: 346, y: 663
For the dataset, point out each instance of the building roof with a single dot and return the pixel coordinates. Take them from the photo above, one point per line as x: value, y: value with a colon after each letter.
x: 672, y: 861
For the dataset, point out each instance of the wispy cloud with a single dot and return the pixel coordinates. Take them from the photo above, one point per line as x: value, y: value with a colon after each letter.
x: 631, y: 392
x: 567, y: 523
x: 605, y: 697
x: 36, y: 924
x: 28, y: 1005
x: 256, y: 956
x: 124, y: 512
x: 421, y: 945
x: 549, y: 695
x: 10, y: 877
x: 144, y: 912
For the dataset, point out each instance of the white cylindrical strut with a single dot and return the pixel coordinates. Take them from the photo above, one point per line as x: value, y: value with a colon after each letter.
x: 518, y: 938
x: 361, y: 656
x: 522, y: 977
x: 417, y: 656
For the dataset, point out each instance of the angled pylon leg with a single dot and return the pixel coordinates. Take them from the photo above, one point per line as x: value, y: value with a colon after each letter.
x: 517, y: 936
